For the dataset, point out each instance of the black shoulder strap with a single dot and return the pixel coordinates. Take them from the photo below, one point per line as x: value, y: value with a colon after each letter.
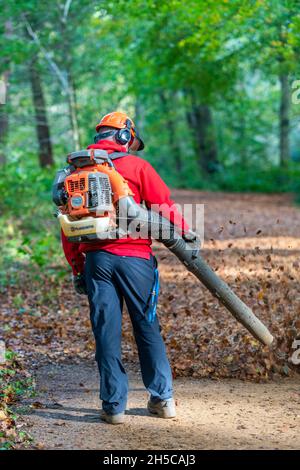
x: 115, y: 155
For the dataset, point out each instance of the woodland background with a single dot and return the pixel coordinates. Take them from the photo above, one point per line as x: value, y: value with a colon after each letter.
x: 211, y: 85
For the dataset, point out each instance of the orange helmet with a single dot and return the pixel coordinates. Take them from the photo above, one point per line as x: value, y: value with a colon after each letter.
x: 120, y: 120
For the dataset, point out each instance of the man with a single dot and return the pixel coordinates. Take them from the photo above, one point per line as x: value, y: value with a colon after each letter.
x: 114, y: 271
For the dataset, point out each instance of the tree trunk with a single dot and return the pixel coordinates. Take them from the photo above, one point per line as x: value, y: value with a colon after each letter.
x: 171, y: 128
x: 67, y: 53
x: 201, y: 121
x: 241, y: 136
x: 73, y: 112
x: 64, y: 77
x: 42, y: 127
x: 284, y: 120
x: 139, y: 116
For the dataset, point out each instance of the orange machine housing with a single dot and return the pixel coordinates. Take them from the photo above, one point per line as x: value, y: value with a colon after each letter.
x: 76, y: 186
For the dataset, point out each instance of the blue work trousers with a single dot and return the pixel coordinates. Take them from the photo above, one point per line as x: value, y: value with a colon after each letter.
x: 112, y: 279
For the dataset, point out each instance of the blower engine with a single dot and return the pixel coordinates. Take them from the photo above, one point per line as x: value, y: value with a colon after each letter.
x: 95, y: 203
x: 87, y: 194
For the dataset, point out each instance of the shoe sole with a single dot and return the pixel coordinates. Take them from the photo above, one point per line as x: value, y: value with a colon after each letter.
x: 161, y: 414
x: 111, y: 420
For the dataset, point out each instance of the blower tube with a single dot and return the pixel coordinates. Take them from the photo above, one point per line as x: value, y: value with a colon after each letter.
x: 161, y: 229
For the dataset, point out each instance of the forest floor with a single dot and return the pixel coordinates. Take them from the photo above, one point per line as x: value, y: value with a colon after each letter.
x: 222, y: 414
x: 231, y: 392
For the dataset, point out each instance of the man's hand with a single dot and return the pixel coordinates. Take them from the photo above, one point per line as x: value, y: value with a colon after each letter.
x: 190, y: 236
x: 193, y: 241
x: 79, y: 284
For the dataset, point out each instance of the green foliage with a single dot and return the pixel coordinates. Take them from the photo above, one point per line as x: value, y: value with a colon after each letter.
x: 15, y: 383
x: 125, y: 57
x: 259, y: 179
x: 27, y: 226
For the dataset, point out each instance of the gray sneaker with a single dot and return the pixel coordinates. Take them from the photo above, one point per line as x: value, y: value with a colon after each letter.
x: 163, y: 408
x: 118, y: 418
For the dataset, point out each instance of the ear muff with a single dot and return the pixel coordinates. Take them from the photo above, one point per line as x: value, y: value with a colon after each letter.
x: 123, y: 136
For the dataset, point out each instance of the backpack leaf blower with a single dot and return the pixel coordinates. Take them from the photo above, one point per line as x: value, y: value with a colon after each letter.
x: 95, y: 203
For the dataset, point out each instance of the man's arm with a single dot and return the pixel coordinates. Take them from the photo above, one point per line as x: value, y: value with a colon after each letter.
x: 73, y: 255
x: 154, y: 190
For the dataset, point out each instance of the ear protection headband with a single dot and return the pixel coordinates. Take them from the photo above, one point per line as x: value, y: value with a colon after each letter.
x: 103, y: 135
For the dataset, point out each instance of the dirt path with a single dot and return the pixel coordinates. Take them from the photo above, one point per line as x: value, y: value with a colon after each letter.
x: 211, y: 414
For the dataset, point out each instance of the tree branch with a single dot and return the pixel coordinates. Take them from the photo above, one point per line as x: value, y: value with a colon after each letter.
x: 66, y: 10
x: 63, y: 80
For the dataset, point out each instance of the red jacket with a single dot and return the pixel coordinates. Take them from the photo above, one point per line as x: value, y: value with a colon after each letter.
x: 147, y: 186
